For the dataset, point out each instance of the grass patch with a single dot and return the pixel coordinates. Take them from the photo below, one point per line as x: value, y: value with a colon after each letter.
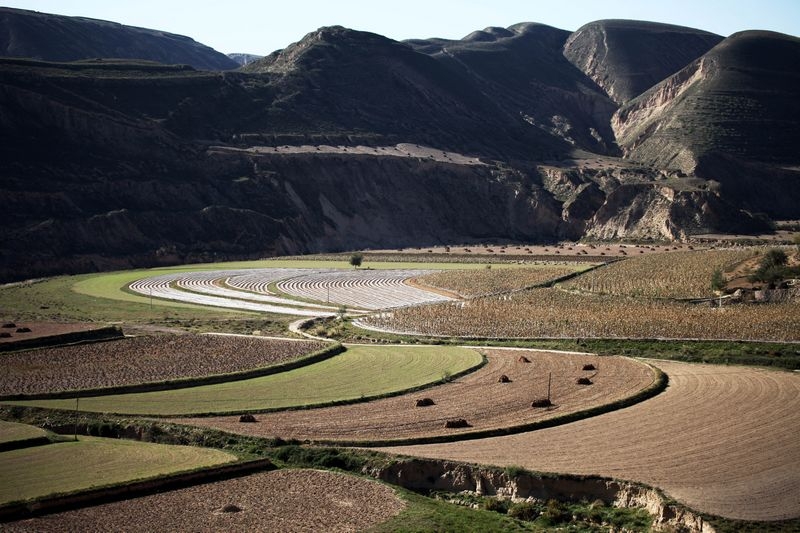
x: 359, y: 372
x: 94, y: 462
x: 12, y: 431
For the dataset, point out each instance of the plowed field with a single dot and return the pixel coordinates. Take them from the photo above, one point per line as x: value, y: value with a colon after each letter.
x: 478, y: 397
x: 141, y: 360
x: 281, y: 500
x: 723, y: 440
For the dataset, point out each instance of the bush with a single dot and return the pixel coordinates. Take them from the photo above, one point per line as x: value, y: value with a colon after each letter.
x: 555, y: 512
x: 496, y: 504
x: 524, y: 511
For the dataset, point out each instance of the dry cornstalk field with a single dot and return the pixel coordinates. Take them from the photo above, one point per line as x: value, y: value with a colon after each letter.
x: 675, y: 275
x: 471, y: 283
x: 556, y: 313
x: 721, y: 439
x: 281, y: 500
x: 142, y: 360
x: 40, y: 329
x: 479, y: 398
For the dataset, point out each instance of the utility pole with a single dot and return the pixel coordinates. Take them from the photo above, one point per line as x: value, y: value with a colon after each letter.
x: 549, y: 379
x: 75, y: 436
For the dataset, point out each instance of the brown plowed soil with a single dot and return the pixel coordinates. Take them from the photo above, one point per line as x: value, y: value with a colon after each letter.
x: 42, y: 329
x: 141, y: 360
x: 281, y: 500
x: 478, y: 397
x: 723, y: 440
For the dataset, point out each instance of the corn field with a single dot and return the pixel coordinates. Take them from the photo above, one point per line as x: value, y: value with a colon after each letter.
x: 673, y: 275
x: 471, y: 283
x: 556, y: 313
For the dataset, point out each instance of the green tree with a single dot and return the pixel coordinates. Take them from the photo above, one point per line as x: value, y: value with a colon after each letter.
x: 717, y: 280
x: 356, y: 259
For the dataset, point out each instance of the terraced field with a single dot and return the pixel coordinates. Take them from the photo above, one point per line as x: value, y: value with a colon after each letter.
x: 479, y: 398
x: 685, y: 274
x: 139, y: 360
x: 721, y: 439
x: 281, y: 500
x: 94, y: 462
x: 11, y: 432
x: 555, y: 313
x: 297, y: 289
x: 360, y: 372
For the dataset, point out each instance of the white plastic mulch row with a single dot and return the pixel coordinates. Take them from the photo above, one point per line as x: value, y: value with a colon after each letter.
x: 366, y: 289
x: 248, y: 289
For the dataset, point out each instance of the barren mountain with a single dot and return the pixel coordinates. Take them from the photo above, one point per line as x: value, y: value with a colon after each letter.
x: 627, y: 57
x: 347, y: 139
x: 732, y: 116
x: 34, y: 35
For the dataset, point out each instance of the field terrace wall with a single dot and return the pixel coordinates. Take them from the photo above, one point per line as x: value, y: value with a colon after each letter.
x: 424, y: 475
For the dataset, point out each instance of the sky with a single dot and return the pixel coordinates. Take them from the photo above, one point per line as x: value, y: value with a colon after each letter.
x: 260, y: 27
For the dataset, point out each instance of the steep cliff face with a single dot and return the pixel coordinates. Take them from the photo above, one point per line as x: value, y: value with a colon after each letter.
x: 627, y: 57
x: 30, y: 34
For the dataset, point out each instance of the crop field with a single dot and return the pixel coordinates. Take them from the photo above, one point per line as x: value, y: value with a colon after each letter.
x: 11, y: 431
x: 675, y: 275
x: 280, y: 500
x: 94, y: 462
x: 146, y: 359
x: 555, y: 313
x: 479, y: 398
x: 359, y: 372
x: 471, y: 283
x: 249, y: 290
x: 721, y: 439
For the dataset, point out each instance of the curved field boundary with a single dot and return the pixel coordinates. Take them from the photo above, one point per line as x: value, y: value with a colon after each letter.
x: 14, y: 436
x: 362, y: 372
x: 93, y: 335
x: 75, y: 466
x: 125, y: 491
x: 174, y: 384
x: 367, y: 289
x: 274, y: 426
x: 722, y: 440
x: 164, y: 287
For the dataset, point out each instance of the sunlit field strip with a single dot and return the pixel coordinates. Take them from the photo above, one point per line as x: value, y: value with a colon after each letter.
x: 361, y: 371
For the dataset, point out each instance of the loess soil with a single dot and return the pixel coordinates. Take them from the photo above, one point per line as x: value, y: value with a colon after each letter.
x: 721, y: 439
x: 478, y: 397
x: 41, y: 329
x: 281, y: 500
x: 141, y: 360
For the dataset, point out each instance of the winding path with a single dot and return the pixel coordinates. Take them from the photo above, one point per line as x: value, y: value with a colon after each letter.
x: 723, y: 440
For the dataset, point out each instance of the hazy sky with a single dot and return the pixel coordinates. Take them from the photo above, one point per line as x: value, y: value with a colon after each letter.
x: 261, y: 27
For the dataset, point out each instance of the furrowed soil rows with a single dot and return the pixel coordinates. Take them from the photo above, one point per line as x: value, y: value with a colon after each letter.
x: 281, y: 500
x: 142, y: 360
x: 721, y: 439
x: 478, y: 397
x: 360, y: 372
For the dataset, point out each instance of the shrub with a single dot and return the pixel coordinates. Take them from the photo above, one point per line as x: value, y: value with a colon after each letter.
x: 541, y: 402
x: 457, y: 423
x: 524, y: 511
x: 583, y: 381
x: 497, y: 505
x: 425, y: 402
x: 555, y: 512
x: 589, y: 366
x: 247, y: 418
x: 504, y: 379
x: 717, y: 280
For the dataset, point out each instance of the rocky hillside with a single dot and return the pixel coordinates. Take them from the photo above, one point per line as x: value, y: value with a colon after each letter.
x: 30, y: 34
x: 347, y: 139
x: 732, y: 116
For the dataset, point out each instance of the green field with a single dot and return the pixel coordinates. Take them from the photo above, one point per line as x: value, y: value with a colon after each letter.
x: 11, y: 431
x: 94, y: 462
x: 359, y: 372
